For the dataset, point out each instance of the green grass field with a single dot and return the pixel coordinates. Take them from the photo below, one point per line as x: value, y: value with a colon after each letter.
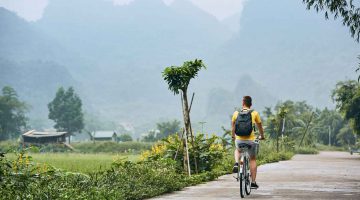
x: 77, y: 162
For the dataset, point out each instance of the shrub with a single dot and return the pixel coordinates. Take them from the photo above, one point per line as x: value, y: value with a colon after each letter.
x: 306, y: 150
x: 209, y: 152
x: 125, y: 138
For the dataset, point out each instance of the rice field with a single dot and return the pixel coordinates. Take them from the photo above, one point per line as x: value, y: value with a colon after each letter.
x: 77, y: 162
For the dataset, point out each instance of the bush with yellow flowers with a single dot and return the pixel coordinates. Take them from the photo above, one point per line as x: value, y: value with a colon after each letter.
x: 208, y: 150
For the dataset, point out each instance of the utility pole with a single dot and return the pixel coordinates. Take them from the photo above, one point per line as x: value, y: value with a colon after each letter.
x: 283, y: 129
x: 329, y: 136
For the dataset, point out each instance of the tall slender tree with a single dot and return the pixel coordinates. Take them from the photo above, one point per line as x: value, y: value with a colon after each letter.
x: 178, y: 79
x: 66, y: 111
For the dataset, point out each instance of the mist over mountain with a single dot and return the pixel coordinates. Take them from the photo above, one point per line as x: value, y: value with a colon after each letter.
x: 296, y: 53
x: 114, y: 56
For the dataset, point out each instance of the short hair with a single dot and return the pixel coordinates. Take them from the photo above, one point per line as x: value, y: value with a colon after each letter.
x: 247, y: 101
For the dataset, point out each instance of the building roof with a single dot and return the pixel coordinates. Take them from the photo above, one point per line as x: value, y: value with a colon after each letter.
x: 38, y: 134
x: 104, y: 134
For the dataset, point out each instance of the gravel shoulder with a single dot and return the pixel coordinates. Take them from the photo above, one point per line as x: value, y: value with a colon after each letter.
x: 327, y: 175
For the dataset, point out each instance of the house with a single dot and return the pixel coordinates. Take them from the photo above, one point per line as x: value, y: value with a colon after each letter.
x: 105, y: 136
x: 36, y: 137
x: 81, y: 137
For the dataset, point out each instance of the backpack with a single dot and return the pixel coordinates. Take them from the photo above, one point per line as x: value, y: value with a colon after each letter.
x: 243, y: 123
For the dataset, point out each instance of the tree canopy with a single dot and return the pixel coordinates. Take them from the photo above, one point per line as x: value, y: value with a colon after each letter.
x: 178, y: 78
x: 347, y: 97
x: 168, y: 128
x: 12, y: 114
x: 344, y: 9
x: 66, y: 111
x: 305, y: 123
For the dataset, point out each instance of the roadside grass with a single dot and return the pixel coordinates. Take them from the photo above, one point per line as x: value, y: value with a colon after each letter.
x: 77, y: 162
x: 306, y: 150
x: 322, y: 147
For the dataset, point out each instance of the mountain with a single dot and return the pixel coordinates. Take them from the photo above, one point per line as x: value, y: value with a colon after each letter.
x: 36, y: 83
x: 114, y: 55
x: 20, y: 40
x: 28, y: 64
x: 127, y: 47
x: 222, y: 102
x: 295, y: 53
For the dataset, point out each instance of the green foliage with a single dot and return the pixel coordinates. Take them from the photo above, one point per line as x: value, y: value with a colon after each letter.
x: 12, y: 114
x: 297, y: 115
x: 66, y: 111
x: 304, y: 123
x: 111, y: 147
x: 168, y: 128
x: 151, y: 136
x: 347, y: 97
x: 163, y: 130
x: 125, y: 137
x: 178, y: 78
x: 24, y: 179
x: 345, y: 9
x: 8, y: 145
x: 328, y: 119
x: 322, y: 147
x: 346, y: 136
x: 209, y: 151
x: 78, y: 162
x: 268, y: 154
x: 306, y: 150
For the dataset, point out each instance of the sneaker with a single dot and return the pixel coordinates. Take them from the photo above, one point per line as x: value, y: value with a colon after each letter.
x: 236, y: 168
x: 254, y: 185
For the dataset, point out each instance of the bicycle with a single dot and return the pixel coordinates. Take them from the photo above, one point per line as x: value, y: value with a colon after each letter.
x: 244, y: 174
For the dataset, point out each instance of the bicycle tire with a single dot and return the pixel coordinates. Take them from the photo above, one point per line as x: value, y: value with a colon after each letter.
x: 242, y: 181
x: 247, y: 177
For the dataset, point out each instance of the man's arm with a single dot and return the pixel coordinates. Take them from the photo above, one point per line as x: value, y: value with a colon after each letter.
x: 261, y: 130
x: 233, y: 130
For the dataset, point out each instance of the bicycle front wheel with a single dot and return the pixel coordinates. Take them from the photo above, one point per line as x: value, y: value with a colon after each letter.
x: 242, y: 185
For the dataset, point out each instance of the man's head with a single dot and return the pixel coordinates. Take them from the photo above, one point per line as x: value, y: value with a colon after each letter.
x: 247, y: 101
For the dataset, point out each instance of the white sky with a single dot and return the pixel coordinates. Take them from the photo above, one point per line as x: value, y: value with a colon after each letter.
x: 32, y: 10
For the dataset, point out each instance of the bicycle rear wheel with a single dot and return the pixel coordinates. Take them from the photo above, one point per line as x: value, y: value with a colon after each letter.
x: 247, y: 177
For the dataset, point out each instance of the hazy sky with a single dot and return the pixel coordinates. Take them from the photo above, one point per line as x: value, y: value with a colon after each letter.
x: 32, y: 10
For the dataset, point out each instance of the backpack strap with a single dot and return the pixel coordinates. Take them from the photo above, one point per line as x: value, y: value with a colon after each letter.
x: 251, y: 110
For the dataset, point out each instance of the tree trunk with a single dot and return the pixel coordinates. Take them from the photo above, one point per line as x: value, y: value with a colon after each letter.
x: 306, y: 129
x: 277, y: 138
x: 185, y: 156
x: 187, y: 123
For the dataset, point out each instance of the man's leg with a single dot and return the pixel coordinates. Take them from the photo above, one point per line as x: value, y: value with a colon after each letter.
x: 237, y: 155
x: 253, y: 168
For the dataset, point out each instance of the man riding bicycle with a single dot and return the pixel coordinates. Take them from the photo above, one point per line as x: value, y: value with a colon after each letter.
x: 243, y: 131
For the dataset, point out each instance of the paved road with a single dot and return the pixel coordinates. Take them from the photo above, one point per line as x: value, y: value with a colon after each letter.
x: 328, y: 175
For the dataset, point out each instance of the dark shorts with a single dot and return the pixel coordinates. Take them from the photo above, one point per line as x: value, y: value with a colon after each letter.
x: 252, y: 151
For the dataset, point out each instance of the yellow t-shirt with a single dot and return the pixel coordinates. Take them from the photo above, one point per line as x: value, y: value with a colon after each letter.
x: 255, y: 119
